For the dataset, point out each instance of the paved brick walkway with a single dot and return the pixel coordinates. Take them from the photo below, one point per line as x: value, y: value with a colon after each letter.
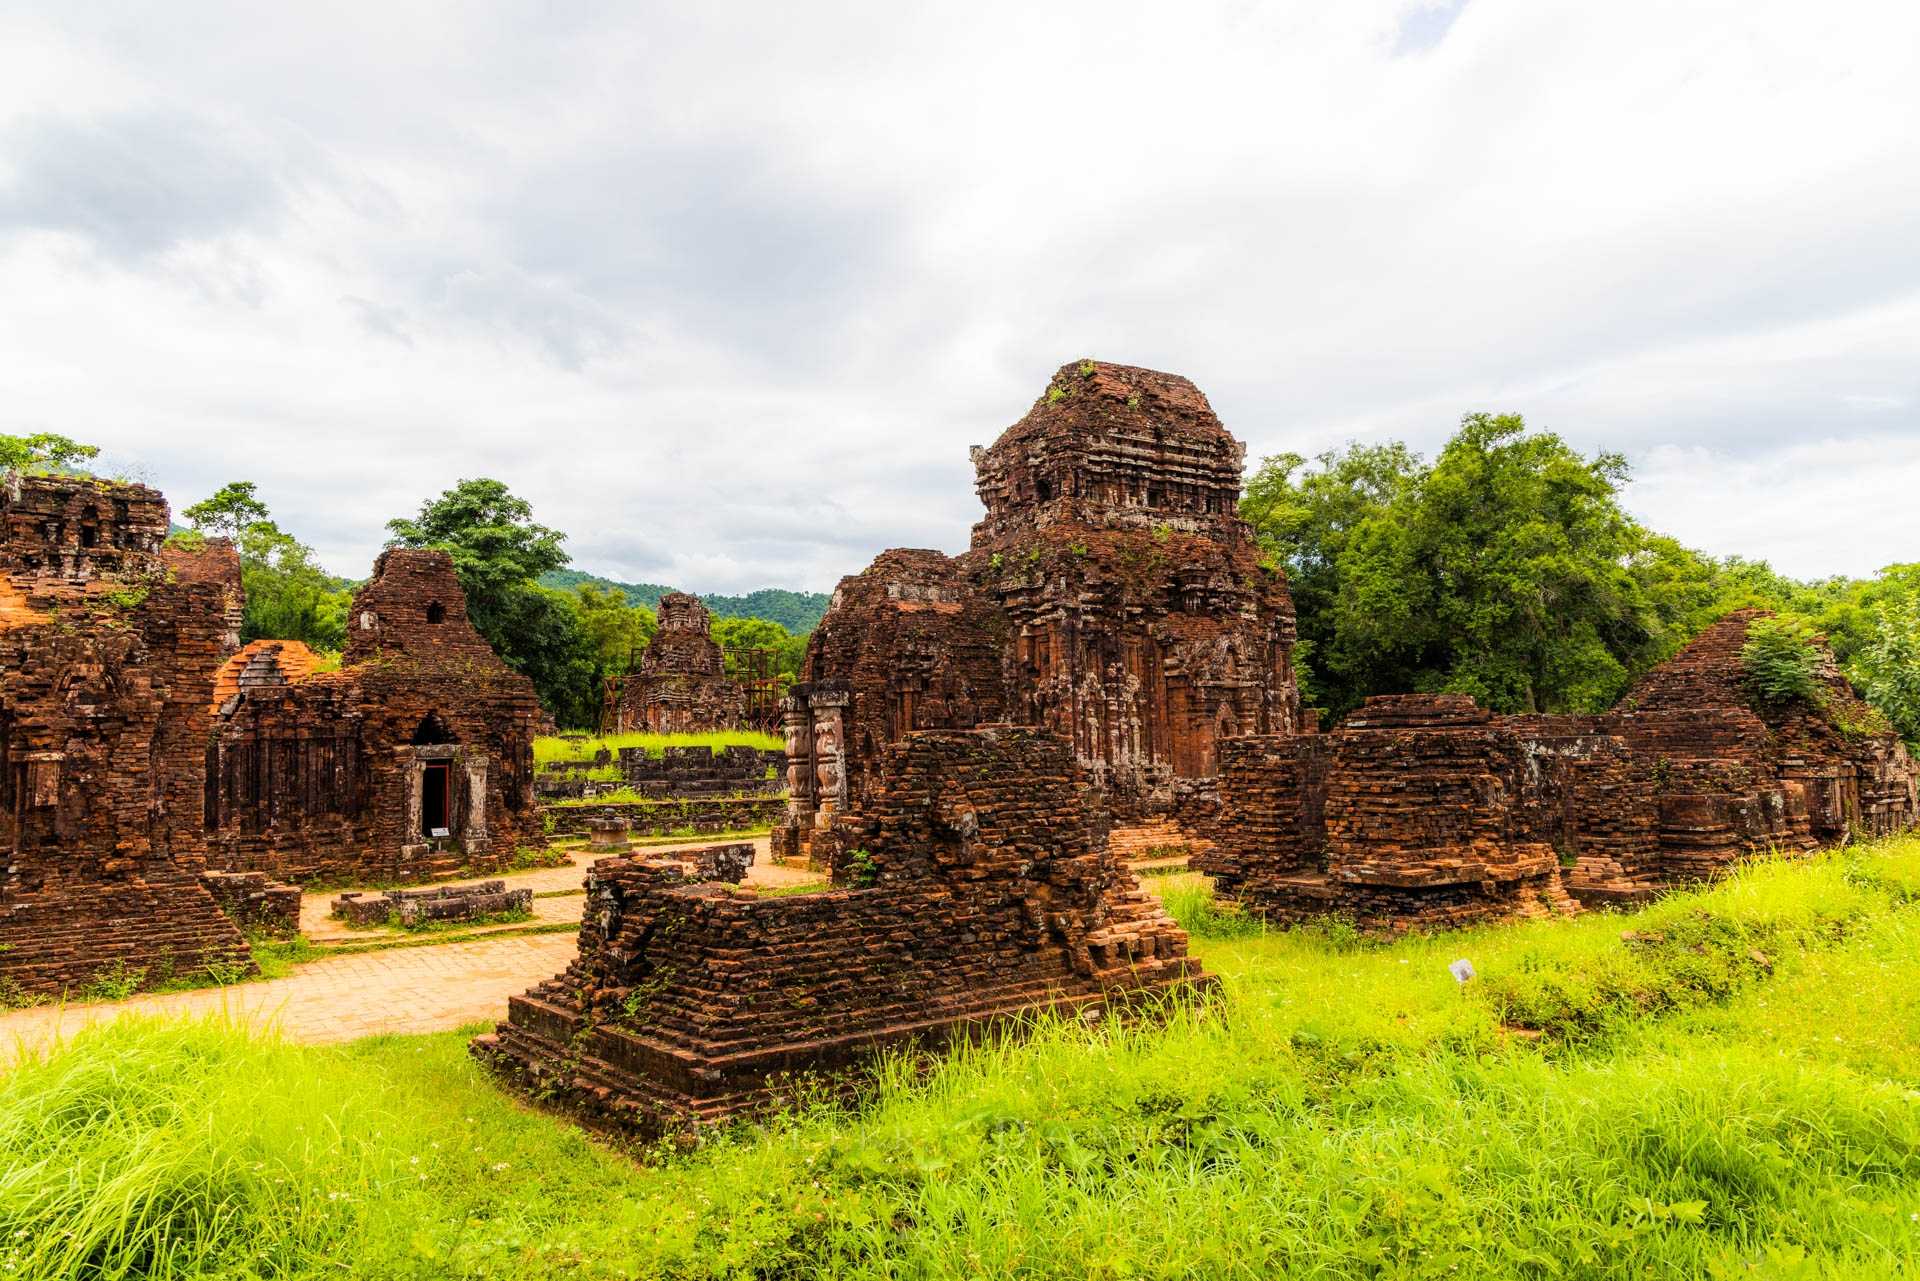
x: 427, y: 988
x: 409, y: 989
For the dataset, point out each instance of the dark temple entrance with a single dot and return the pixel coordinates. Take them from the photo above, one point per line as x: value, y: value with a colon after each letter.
x: 433, y: 799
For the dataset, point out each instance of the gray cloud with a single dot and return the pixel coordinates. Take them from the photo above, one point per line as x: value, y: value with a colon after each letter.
x: 726, y: 293
x: 134, y: 185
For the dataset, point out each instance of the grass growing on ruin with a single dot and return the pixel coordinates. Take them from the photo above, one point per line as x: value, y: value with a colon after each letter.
x: 555, y: 748
x: 1588, y: 1106
x: 628, y: 796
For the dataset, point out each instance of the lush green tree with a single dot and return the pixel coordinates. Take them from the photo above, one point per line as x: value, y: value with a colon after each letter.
x: 1887, y: 667
x: 1779, y: 664
x: 550, y: 645
x: 1304, y: 516
x: 496, y: 546
x: 233, y: 508
x: 499, y: 551
x: 1506, y: 569
x: 289, y: 596
x: 617, y: 632
x: 43, y: 452
x: 785, y: 650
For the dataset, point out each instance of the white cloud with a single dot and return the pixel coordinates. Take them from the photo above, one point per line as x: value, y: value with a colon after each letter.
x: 726, y: 291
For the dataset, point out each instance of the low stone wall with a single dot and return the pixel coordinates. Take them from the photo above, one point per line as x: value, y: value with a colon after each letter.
x: 1420, y: 811
x: 670, y: 818
x: 446, y: 903
x: 678, y: 773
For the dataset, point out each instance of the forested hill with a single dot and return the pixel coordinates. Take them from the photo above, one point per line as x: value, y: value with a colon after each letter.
x: 796, y: 611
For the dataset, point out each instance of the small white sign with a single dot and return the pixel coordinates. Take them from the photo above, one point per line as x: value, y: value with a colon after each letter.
x: 441, y: 831
x: 1462, y: 970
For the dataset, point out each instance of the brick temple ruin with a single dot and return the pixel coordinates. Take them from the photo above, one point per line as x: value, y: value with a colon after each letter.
x: 413, y: 760
x: 974, y: 886
x: 1112, y: 594
x: 109, y: 641
x: 682, y: 686
x: 1428, y: 810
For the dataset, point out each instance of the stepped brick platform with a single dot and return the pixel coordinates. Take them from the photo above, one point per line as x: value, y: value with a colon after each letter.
x: 1112, y: 594
x: 254, y: 903
x: 671, y: 818
x: 1156, y: 838
x: 109, y: 642
x: 1419, y: 812
x: 413, y: 761
x: 1685, y: 778
x: 681, y: 686
x: 971, y: 888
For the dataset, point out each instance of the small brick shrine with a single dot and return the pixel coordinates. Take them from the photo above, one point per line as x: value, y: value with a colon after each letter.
x: 414, y: 760
x: 681, y: 686
x: 972, y: 887
x: 109, y: 641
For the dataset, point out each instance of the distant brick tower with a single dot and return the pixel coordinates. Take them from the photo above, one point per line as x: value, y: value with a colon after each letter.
x: 681, y: 687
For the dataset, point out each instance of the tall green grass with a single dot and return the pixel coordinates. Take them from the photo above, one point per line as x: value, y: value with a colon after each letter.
x: 554, y: 748
x: 1589, y: 1106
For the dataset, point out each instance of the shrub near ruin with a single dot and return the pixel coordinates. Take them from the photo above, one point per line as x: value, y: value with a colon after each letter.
x: 1336, y: 1111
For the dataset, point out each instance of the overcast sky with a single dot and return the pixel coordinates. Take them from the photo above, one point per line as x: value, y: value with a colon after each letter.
x: 727, y: 290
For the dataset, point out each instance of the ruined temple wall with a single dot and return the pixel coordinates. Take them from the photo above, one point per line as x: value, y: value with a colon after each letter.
x: 1146, y: 651
x: 1680, y: 783
x: 668, y: 702
x: 1112, y: 594
x: 910, y: 644
x: 107, y: 651
x: 321, y: 777
x: 1419, y: 811
x: 1273, y: 790
x: 974, y: 886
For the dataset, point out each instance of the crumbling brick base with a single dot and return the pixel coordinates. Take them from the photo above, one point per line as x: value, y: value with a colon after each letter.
x: 972, y: 888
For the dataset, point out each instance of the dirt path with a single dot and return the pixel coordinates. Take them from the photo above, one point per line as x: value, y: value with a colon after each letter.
x: 409, y: 989
x: 428, y: 988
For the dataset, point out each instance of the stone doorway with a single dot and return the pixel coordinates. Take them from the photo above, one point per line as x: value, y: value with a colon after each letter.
x: 436, y: 786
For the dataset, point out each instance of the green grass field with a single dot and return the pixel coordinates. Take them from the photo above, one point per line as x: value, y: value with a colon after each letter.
x: 1732, y: 1092
x: 559, y: 749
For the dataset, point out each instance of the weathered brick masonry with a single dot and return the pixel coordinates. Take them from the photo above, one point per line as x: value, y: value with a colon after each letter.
x: 1112, y: 594
x: 672, y: 818
x: 1421, y: 810
x: 108, y: 646
x: 1679, y: 782
x: 682, y: 686
x: 414, y: 760
x: 972, y: 887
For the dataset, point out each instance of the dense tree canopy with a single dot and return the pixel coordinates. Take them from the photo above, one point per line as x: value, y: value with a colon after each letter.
x: 44, y: 452
x: 499, y: 551
x: 289, y: 597
x: 230, y: 511
x: 1506, y: 568
x: 617, y: 631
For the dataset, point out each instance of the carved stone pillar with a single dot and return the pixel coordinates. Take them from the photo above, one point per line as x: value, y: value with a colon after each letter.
x: 829, y: 754
x: 797, y: 721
